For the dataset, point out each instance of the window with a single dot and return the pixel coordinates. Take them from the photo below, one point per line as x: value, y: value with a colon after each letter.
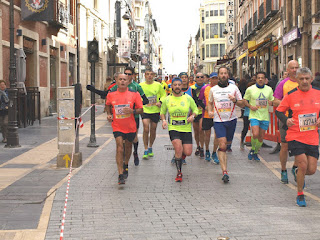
x: 214, y: 50
x: 207, y: 13
x: 221, y: 8
x: 222, y: 25
x: 202, y: 33
x: 215, y: 9
x: 203, y: 53
x: 207, y: 50
x: 137, y: 12
x: 214, y: 30
x: 202, y: 16
x: 207, y: 31
x: 222, y: 50
x: 211, y: 13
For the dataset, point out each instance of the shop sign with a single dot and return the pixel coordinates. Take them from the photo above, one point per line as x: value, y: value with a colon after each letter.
x: 275, y: 48
x: 230, y: 22
x: 291, y: 36
x: 315, y: 36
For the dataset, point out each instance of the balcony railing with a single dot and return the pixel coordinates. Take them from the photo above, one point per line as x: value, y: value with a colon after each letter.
x: 62, y: 15
x: 261, y: 13
x: 255, y: 20
x: 271, y: 9
x: 245, y: 31
x: 250, y: 26
x: 238, y: 37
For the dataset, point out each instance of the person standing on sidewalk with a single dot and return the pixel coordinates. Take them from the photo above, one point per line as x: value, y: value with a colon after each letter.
x: 207, y: 122
x: 258, y: 98
x: 282, y: 89
x: 179, y: 105
x: 223, y: 99
x: 151, y: 112
x: 303, y: 104
x: 4, y: 106
x: 122, y: 104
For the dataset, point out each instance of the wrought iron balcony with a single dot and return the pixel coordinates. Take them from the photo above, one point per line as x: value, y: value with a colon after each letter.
x: 245, y: 31
x: 261, y: 14
x: 255, y: 20
x: 271, y: 9
x: 250, y: 26
x: 62, y: 15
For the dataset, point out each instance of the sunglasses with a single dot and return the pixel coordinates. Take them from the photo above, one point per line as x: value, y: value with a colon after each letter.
x: 199, y: 77
x: 129, y: 74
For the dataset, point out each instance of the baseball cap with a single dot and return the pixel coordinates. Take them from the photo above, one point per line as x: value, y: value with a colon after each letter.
x: 213, y: 74
x: 183, y: 74
x: 176, y: 79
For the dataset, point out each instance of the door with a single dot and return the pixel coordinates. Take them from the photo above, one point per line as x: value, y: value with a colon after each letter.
x: 53, y: 85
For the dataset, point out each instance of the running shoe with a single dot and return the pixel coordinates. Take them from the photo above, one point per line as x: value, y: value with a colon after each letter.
x: 225, y: 178
x: 136, y: 159
x: 125, y: 171
x: 215, y: 158
x: 294, y: 173
x: 197, y: 151
x: 255, y: 157
x: 284, y: 177
x: 121, y: 179
x: 229, y: 148
x: 150, y: 153
x: 179, y: 177
x: 242, y: 145
x: 301, y: 201
x: 184, y: 162
x: 145, y: 155
x: 208, y: 156
x: 201, y: 153
x: 250, y: 155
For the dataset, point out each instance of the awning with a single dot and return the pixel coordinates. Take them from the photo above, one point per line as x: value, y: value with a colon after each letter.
x: 259, y: 45
x: 223, y: 61
x: 242, y: 55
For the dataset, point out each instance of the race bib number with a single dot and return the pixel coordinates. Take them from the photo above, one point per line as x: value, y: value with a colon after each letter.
x: 152, y: 101
x: 224, y: 106
x: 261, y: 103
x: 119, y: 111
x: 307, y: 122
x: 178, y: 122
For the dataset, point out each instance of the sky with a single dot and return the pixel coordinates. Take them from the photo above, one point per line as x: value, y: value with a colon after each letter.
x: 177, y: 21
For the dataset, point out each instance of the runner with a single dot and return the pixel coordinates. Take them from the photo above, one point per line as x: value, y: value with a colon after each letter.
x: 282, y: 89
x: 223, y: 99
x: 122, y: 104
x: 207, y: 122
x: 179, y: 104
x: 197, y: 123
x: 206, y: 79
x: 151, y: 112
x: 191, y: 80
x: 258, y: 98
x: 303, y: 104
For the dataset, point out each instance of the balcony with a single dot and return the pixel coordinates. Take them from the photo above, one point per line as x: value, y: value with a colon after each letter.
x: 261, y: 14
x: 241, y: 37
x: 62, y: 16
x: 250, y: 26
x: 255, y: 20
x: 245, y: 31
x: 271, y: 9
x: 238, y: 37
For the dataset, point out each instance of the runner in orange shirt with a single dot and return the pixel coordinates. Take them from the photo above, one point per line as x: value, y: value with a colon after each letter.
x: 121, y: 105
x: 303, y: 104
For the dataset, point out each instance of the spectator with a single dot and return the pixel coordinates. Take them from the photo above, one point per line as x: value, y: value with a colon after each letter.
x: 316, y: 80
x: 107, y: 83
x: 4, y: 105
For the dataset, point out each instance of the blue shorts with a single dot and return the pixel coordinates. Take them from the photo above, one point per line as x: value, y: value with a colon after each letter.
x: 225, y: 129
x: 262, y: 124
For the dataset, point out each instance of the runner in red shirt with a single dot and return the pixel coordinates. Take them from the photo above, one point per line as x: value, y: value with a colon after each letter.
x: 121, y: 105
x: 303, y: 104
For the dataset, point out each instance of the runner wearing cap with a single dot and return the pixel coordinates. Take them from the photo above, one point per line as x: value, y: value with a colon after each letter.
x: 121, y: 105
x: 207, y: 122
x: 258, y: 98
x: 303, y: 104
x: 151, y: 112
x: 223, y: 99
x: 179, y: 105
x: 281, y: 90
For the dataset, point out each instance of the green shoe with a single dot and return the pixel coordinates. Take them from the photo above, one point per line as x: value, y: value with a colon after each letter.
x: 145, y: 155
x: 150, y: 153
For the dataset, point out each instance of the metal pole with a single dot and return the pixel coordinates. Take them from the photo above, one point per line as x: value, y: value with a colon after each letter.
x: 13, y: 138
x: 92, y: 142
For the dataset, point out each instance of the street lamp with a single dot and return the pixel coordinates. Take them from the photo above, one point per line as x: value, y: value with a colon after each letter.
x: 13, y: 138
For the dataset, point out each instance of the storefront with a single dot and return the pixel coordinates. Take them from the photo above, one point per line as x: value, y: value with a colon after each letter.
x: 292, y: 43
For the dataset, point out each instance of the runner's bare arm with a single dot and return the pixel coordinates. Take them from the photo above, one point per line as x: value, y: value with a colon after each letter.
x: 109, y: 113
x: 276, y: 102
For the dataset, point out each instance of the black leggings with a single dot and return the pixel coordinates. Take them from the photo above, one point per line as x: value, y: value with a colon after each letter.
x: 246, y: 123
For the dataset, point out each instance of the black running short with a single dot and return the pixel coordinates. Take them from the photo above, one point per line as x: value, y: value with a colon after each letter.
x: 185, y: 137
x: 137, y: 122
x: 298, y: 148
x: 197, y: 118
x: 154, y: 117
x: 207, y: 123
x: 126, y: 136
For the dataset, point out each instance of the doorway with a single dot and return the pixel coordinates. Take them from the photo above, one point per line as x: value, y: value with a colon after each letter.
x: 53, y: 85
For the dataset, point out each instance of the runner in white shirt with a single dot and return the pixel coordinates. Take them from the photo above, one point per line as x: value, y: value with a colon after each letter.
x: 223, y: 99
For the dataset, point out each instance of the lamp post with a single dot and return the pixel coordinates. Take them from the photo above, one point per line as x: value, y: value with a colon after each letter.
x: 13, y: 138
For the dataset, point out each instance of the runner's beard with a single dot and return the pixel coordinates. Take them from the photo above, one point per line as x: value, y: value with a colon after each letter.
x: 223, y: 83
x: 177, y: 91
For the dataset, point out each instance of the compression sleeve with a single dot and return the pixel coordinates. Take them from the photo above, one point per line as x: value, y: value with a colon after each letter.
x: 145, y: 100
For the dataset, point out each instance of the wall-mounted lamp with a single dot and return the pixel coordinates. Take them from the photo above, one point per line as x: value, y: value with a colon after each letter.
x: 61, y: 48
x: 43, y: 41
x: 19, y: 32
x: 126, y: 16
